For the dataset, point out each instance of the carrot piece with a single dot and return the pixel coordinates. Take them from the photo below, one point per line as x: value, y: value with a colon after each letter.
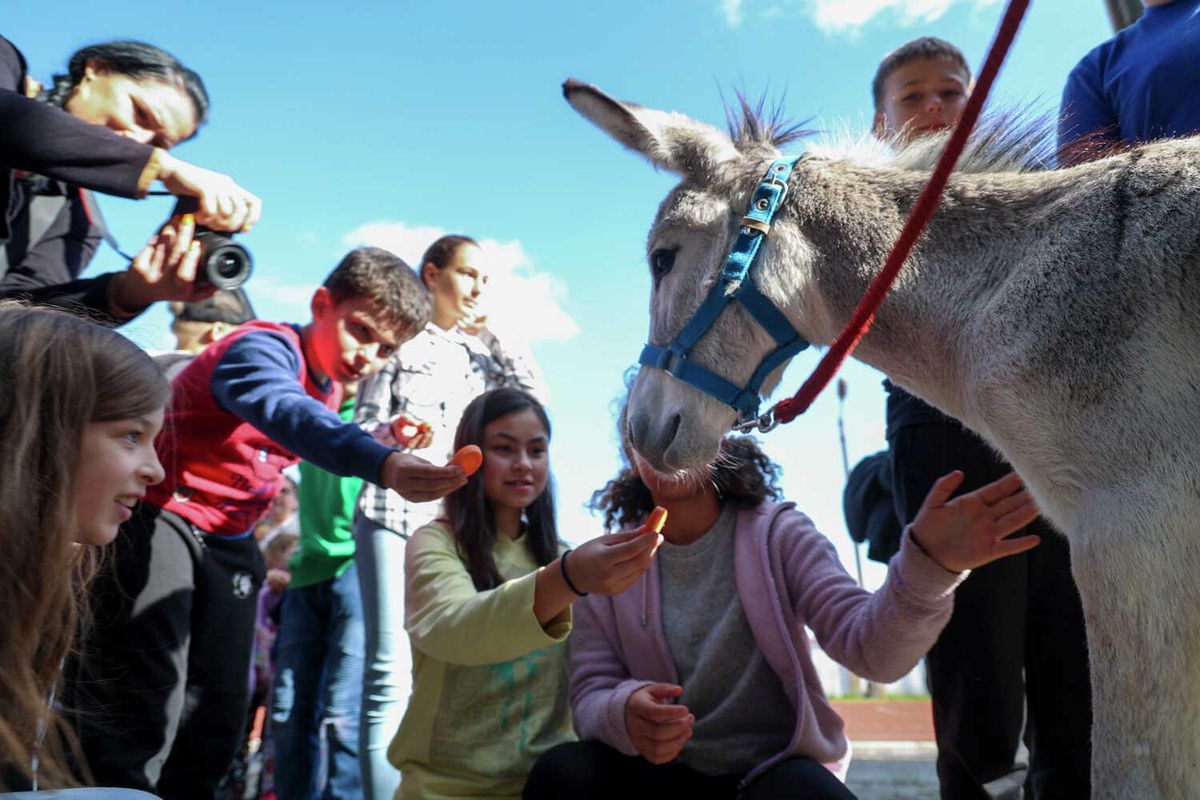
x: 656, y: 520
x: 470, y: 458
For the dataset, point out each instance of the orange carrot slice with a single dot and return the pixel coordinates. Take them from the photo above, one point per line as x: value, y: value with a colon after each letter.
x: 656, y: 520
x: 470, y: 458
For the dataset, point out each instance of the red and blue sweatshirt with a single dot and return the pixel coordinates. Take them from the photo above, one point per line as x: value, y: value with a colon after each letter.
x: 243, y: 410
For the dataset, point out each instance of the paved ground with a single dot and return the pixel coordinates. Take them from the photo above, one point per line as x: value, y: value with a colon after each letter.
x: 893, y: 749
x: 893, y: 779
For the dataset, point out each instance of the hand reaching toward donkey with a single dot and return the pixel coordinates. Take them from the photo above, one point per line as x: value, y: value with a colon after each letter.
x: 419, y: 481
x: 968, y: 531
x: 606, y: 565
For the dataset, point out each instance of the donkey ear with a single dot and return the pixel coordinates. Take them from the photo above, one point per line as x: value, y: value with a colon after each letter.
x: 668, y: 139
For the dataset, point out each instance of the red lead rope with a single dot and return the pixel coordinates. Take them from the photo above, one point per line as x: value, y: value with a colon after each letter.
x: 860, y: 322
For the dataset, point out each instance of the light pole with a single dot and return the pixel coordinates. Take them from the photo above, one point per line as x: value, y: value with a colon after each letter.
x: 842, y: 389
x: 856, y: 683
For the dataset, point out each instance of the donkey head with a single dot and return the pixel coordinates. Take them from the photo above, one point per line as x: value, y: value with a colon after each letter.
x: 672, y: 425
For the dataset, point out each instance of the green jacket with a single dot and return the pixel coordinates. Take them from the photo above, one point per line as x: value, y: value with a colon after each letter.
x: 327, y: 503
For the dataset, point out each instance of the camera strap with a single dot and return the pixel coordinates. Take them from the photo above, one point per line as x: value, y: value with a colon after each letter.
x: 96, y: 219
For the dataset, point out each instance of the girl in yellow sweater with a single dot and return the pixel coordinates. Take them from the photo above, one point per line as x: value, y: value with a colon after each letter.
x: 488, y: 594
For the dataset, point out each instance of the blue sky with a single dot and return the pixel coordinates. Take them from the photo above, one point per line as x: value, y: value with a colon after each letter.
x: 390, y: 122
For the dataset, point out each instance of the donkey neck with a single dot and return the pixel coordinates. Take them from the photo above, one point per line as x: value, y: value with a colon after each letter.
x: 848, y: 216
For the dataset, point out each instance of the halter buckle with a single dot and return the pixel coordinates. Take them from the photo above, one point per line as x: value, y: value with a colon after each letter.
x: 783, y: 187
x: 750, y: 225
x: 763, y: 423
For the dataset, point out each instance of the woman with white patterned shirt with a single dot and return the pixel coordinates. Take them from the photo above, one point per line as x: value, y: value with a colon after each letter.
x: 430, y: 380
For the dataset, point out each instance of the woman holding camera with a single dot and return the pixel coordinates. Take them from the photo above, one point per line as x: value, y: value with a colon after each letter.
x: 148, y: 102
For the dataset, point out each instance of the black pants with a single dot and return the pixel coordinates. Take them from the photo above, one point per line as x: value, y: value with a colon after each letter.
x: 1015, y: 644
x: 160, y: 692
x: 595, y: 771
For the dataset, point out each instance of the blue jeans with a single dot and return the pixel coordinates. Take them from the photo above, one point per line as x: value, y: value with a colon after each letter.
x: 387, y: 676
x: 318, y: 690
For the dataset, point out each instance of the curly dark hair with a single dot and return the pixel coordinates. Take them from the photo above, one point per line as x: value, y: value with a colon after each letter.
x: 742, y: 473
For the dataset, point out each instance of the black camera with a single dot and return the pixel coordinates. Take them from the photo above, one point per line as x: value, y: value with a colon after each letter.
x: 224, y: 263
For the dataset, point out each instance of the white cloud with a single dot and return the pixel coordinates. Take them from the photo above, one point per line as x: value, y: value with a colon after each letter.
x: 846, y: 16
x: 269, y: 289
x: 523, y: 304
x: 732, y: 9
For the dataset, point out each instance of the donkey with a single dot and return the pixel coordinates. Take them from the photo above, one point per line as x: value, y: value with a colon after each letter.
x: 1056, y: 313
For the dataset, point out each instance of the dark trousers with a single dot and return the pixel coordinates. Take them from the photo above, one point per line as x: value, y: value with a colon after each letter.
x: 161, y: 689
x: 1014, y: 653
x: 595, y: 771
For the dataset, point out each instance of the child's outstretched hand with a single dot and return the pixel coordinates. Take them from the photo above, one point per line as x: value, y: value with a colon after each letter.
x: 417, y: 480
x: 612, y: 563
x: 968, y: 531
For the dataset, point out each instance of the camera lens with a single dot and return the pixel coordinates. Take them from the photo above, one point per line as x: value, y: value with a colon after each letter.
x: 224, y: 263
x: 228, y: 265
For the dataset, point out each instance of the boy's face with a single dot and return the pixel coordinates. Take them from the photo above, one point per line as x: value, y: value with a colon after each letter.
x: 921, y: 96
x: 349, y: 340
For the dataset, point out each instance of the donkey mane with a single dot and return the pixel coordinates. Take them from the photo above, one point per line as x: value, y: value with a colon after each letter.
x: 1006, y: 140
x: 756, y: 125
x: 1011, y: 140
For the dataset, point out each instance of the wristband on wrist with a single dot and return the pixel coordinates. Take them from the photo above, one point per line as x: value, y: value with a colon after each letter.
x: 562, y: 566
x: 908, y: 531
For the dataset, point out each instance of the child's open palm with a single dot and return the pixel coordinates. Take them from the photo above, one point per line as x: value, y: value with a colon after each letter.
x: 968, y: 531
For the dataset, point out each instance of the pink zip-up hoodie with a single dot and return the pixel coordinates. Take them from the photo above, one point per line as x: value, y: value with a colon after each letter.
x: 788, y: 577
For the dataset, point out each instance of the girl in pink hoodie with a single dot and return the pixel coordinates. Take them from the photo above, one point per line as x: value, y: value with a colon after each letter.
x: 697, y: 680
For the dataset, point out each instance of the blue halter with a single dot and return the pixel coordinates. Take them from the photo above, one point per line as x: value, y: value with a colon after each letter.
x: 736, y: 284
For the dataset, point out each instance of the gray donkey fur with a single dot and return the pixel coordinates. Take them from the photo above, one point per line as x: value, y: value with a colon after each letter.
x: 1057, y: 313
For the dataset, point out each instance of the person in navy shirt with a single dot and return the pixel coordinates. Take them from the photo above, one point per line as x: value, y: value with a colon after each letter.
x: 1143, y: 84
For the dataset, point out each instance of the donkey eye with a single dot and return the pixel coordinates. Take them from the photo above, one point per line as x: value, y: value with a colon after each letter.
x: 661, y: 262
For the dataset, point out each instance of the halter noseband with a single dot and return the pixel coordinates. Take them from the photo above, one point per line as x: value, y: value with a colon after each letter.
x: 735, y: 283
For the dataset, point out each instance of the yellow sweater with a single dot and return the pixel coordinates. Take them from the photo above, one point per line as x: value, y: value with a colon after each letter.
x: 489, y: 682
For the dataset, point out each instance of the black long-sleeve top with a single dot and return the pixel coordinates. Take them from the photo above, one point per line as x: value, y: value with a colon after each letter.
x: 41, y: 139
